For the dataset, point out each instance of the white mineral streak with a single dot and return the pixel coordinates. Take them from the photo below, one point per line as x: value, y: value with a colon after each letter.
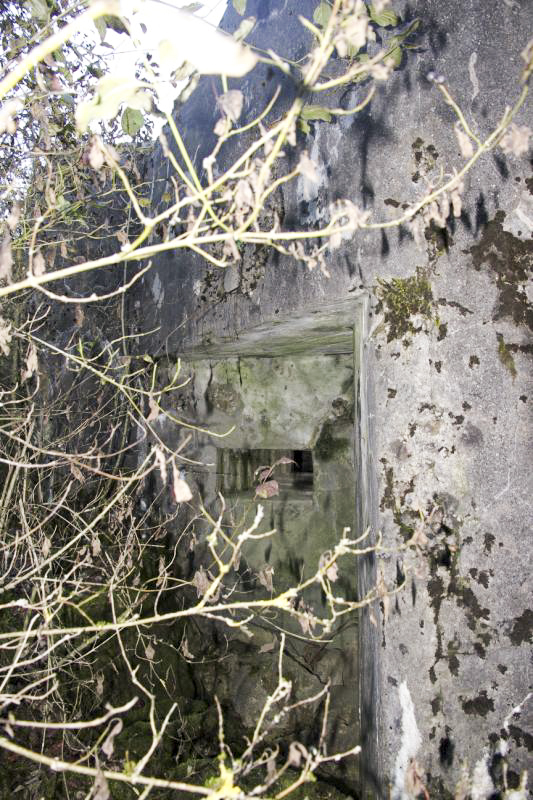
x: 411, y: 741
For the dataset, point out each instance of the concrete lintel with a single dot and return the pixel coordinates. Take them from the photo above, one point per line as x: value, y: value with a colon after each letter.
x: 328, y: 329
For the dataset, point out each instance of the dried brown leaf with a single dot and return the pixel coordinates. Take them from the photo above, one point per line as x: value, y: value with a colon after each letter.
x: 14, y: 217
x: 244, y: 196
x: 413, y: 781
x: 32, y: 364
x: 96, y: 547
x: 7, y: 115
x: 181, y: 489
x: 221, y: 127
x: 79, y: 315
x: 201, y: 582
x: 185, y: 650
x: 285, y: 460
x: 96, y: 155
x: 231, y: 104
x: 161, y: 463
x: 122, y: 236
x: 154, y: 409
x: 5, y: 336
x: 297, y: 751
x: 6, y: 258
x: 38, y: 264
x: 108, y: 746
x: 464, y: 141
x: 265, y: 578
x: 516, y: 140
x: 149, y: 652
x: 76, y: 471
x: 101, y: 787
x: 230, y: 250
x: 332, y: 572
x: 267, y: 489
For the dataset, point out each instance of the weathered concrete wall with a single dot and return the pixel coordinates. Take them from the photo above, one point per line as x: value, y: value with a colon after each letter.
x: 447, y: 356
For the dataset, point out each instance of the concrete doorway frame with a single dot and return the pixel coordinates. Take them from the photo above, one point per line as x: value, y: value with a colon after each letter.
x: 339, y: 327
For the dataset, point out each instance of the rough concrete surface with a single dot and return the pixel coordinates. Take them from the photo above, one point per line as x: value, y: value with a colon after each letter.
x: 448, y: 360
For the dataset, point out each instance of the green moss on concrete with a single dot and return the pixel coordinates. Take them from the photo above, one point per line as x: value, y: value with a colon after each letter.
x: 505, y: 356
x: 404, y: 298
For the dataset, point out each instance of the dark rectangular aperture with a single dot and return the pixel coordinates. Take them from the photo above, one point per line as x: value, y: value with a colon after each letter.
x: 240, y: 470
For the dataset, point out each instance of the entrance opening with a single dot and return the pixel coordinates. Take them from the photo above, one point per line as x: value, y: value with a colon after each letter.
x: 288, y: 394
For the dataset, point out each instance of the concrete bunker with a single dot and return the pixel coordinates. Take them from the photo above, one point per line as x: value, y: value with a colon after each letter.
x: 293, y: 391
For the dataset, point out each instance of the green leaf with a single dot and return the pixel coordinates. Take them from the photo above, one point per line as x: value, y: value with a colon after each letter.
x: 144, y: 202
x: 112, y: 91
x: 321, y: 14
x: 240, y: 6
x: 115, y: 23
x: 39, y: 10
x: 316, y: 112
x: 101, y: 27
x: 244, y: 29
x: 351, y: 51
x: 193, y: 7
x: 304, y: 126
x: 132, y: 121
x: 385, y: 19
x: 396, y: 55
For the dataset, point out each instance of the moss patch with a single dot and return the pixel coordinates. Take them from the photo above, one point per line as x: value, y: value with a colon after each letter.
x: 505, y: 356
x: 404, y: 298
x: 425, y: 158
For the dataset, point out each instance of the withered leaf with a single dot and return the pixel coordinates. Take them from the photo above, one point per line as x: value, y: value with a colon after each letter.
x: 38, y: 264
x: 154, y: 409
x: 201, y: 582
x: 267, y: 489
x: 297, y: 751
x: 6, y: 258
x: 464, y: 141
x: 182, y: 492
x: 108, y: 746
x: 149, y: 652
x: 5, y: 336
x: 76, y: 471
x: 31, y: 363
x: 185, y: 650
x: 265, y: 578
x: 101, y: 787
x: 14, y: 217
x: 231, y: 104
x: 96, y: 547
